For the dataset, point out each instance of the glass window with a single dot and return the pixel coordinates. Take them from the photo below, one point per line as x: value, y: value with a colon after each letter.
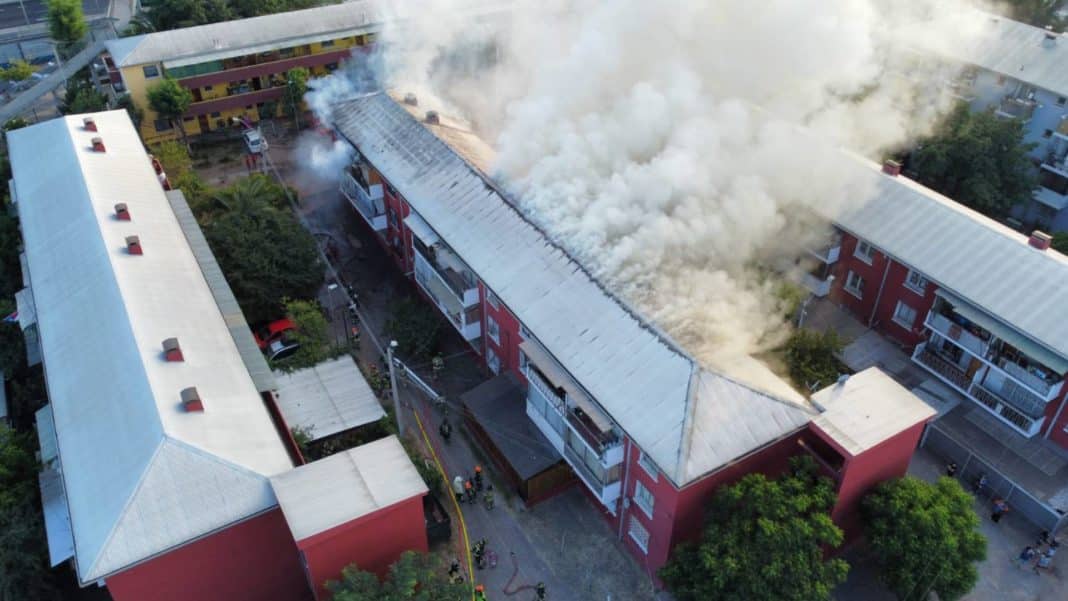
x: 904, y: 315
x: 216, y: 115
x: 643, y: 498
x: 327, y: 43
x: 648, y: 465
x: 864, y: 251
x: 855, y: 285
x: 492, y: 360
x: 1061, y: 101
x: 150, y: 71
x: 162, y: 125
x: 493, y: 329
x: 916, y: 282
x: 639, y: 534
x: 522, y: 361
x: 491, y: 299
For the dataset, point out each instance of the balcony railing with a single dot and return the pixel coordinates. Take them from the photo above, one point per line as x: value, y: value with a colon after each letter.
x: 995, y: 404
x: 605, y: 490
x: 942, y: 367
x: 1016, y: 108
x: 829, y: 253
x: 815, y: 285
x: 954, y: 332
x: 463, y: 284
x: 1040, y: 386
x: 466, y: 321
x: 368, y: 201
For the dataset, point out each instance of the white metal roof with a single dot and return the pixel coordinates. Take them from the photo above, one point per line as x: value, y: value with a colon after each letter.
x: 328, y: 398
x: 58, y: 532
x: 632, y: 370
x: 867, y: 409
x: 1015, y: 50
x: 141, y: 475
x: 975, y: 258
x: 347, y: 486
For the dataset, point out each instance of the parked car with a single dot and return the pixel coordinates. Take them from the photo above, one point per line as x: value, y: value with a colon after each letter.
x: 254, y: 141
x: 275, y: 339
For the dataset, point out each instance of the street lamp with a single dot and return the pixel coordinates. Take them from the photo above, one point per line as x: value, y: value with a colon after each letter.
x: 393, y: 385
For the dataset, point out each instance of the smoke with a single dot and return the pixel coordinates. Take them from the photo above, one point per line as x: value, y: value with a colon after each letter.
x: 678, y: 147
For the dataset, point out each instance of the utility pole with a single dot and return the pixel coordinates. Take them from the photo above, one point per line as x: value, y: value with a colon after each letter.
x: 397, y: 410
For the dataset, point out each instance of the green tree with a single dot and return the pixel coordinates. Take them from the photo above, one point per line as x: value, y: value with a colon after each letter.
x: 979, y: 160
x: 170, y: 101
x: 312, y: 333
x: 1060, y: 243
x: 1039, y: 13
x: 15, y: 123
x: 416, y: 328
x: 415, y: 576
x: 24, y: 569
x: 18, y: 71
x: 763, y: 540
x: 10, y: 241
x: 173, y: 157
x: 811, y: 358
x: 925, y: 537
x: 82, y: 98
x: 296, y: 87
x: 136, y: 114
x: 67, y: 26
x: 12, y: 344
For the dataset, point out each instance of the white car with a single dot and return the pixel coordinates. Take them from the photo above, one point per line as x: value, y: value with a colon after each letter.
x: 254, y: 141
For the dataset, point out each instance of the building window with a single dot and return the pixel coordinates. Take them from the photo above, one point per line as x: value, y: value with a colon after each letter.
x: 150, y: 71
x: 855, y: 285
x: 493, y: 329
x: 216, y: 115
x: 904, y: 315
x: 639, y: 534
x: 864, y: 251
x: 522, y: 361
x: 1061, y: 101
x: 916, y: 282
x: 493, y: 361
x: 491, y: 300
x: 327, y: 43
x: 163, y: 124
x: 331, y: 67
x: 644, y: 498
x: 1047, y: 133
x: 648, y: 465
x: 207, y: 88
x: 392, y: 216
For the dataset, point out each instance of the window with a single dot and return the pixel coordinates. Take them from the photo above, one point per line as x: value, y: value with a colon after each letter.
x: 522, y: 361
x: 916, y: 282
x: 493, y: 329
x: 327, y: 43
x: 1061, y: 101
x: 207, y: 88
x: 1047, y: 133
x: 855, y: 285
x: 904, y: 315
x: 491, y: 300
x: 648, y: 465
x: 216, y: 115
x: 331, y: 67
x: 864, y: 251
x: 492, y: 360
x: 392, y: 216
x: 644, y: 498
x: 150, y: 71
x: 639, y: 534
x: 162, y: 125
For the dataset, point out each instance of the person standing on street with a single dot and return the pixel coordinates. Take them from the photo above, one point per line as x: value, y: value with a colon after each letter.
x: 458, y: 488
x: 470, y: 489
x: 951, y: 469
x: 478, y: 478
x: 1025, y: 556
x: 1000, y: 509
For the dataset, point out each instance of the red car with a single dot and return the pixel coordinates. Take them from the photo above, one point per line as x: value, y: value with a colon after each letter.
x: 275, y: 339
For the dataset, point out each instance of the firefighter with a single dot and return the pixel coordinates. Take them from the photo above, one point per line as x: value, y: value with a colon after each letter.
x: 480, y: 553
x: 480, y: 593
x: 478, y: 478
x: 539, y: 590
x: 458, y: 488
x: 470, y: 489
x: 454, y: 571
x: 445, y: 429
x: 487, y: 497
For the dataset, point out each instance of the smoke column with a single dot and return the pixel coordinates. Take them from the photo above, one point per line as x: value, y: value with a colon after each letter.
x: 674, y: 146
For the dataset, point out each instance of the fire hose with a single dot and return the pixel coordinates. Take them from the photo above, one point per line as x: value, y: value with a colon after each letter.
x: 515, y: 572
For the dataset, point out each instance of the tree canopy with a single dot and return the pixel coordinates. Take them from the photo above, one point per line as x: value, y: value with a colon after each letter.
x: 24, y: 566
x: 66, y: 25
x: 979, y: 160
x: 1039, y: 13
x: 416, y: 328
x: 161, y: 15
x: 312, y: 333
x: 415, y: 577
x: 17, y: 71
x: 925, y: 537
x: 763, y: 540
x: 810, y: 357
x: 170, y: 100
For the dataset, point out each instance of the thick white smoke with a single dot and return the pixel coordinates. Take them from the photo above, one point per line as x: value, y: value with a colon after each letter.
x: 675, y: 146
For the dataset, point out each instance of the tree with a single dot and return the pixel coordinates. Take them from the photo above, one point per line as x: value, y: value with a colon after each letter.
x: 170, y: 101
x: 67, y: 26
x: 1060, y: 243
x: 979, y: 160
x: 24, y: 567
x: 173, y: 157
x: 925, y: 537
x: 312, y: 333
x: 15, y: 123
x: 135, y: 112
x: 1039, y: 13
x: 811, y: 358
x: 82, y: 98
x: 296, y: 87
x: 416, y: 576
x: 18, y: 71
x: 415, y: 327
x: 763, y: 540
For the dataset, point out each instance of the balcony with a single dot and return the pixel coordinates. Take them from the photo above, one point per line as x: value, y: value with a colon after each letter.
x: 818, y: 287
x: 1016, y: 108
x: 1041, y: 386
x: 942, y: 324
x: 453, y: 272
x: 368, y: 201
x: 257, y: 68
x: 237, y: 101
x: 1028, y: 426
x: 466, y: 320
x: 962, y: 87
x: 828, y: 253
x: 942, y: 367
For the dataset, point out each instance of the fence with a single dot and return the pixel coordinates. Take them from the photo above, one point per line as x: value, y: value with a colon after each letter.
x: 971, y: 467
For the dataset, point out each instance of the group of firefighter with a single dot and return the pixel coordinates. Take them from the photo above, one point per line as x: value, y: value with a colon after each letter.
x: 468, y: 489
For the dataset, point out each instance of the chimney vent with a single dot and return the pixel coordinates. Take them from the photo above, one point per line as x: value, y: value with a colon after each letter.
x: 1040, y: 240
x: 892, y: 167
x: 89, y: 123
x: 121, y: 212
x: 191, y: 400
x: 432, y: 118
x: 410, y: 99
x: 172, y: 351
x: 98, y: 145
x: 1049, y: 40
x: 133, y: 245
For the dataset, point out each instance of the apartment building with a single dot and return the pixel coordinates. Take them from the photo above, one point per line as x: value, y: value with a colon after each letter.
x: 237, y: 69
x: 168, y: 471
x: 980, y: 306
x: 1021, y: 72
x: 647, y: 430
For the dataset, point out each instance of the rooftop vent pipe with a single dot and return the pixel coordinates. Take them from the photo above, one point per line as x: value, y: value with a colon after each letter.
x: 191, y: 400
x: 892, y: 167
x: 432, y: 118
x: 98, y: 145
x: 89, y: 123
x: 121, y: 212
x: 1040, y: 240
x: 172, y: 351
x: 410, y: 99
x: 133, y: 245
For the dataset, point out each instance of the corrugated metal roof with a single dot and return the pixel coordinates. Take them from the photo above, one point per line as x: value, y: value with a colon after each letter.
x: 58, y: 531
x: 976, y: 258
x: 133, y: 462
x: 251, y: 355
x: 347, y: 486
x: 634, y: 372
x: 326, y: 399
x: 1015, y: 50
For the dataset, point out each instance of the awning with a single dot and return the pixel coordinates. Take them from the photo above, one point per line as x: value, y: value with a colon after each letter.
x: 421, y: 229
x: 558, y: 376
x: 56, y: 517
x: 326, y: 399
x: 27, y: 310
x: 1026, y: 345
x: 46, y: 434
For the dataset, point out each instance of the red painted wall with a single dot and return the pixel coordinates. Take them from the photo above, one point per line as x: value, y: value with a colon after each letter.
x: 372, y: 543
x: 1056, y: 426
x: 255, y: 560
x: 507, y: 347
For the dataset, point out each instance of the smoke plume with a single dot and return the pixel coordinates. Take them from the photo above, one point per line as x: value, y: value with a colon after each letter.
x: 677, y: 147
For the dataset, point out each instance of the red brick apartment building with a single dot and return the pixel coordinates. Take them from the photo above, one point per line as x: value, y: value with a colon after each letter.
x: 599, y: 390
x: 168, y: 471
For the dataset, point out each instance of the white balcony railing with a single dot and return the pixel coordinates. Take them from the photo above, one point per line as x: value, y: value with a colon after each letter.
x: 448, y: 302
x: 970, y: 342
x: 369, y: 203
x: 816, y: 286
